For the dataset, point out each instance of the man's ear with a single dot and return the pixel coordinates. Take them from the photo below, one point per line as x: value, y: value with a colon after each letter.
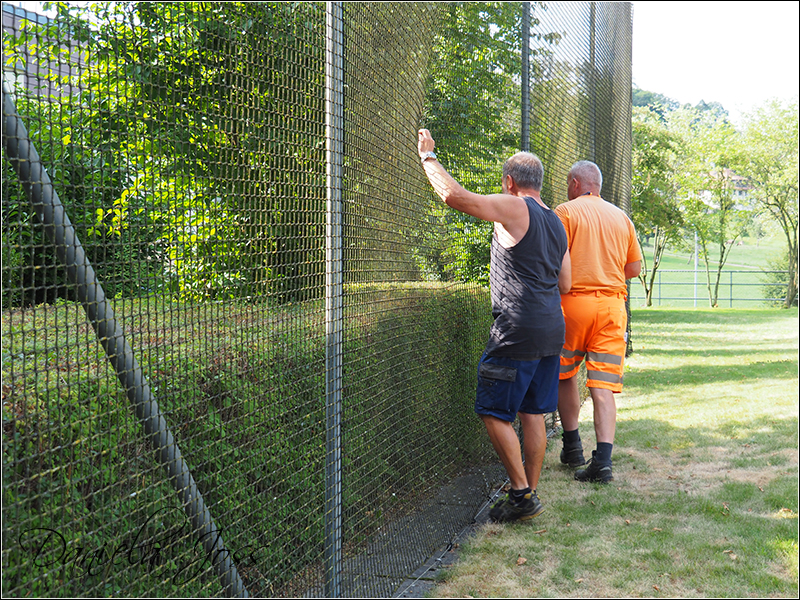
x: 572, y: 187
x: 511, y: 185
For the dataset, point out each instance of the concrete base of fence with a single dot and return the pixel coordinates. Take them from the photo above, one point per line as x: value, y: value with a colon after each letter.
x: 423, y: 580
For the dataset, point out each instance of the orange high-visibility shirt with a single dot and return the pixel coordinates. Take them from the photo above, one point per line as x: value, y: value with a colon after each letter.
x: 602, y: 240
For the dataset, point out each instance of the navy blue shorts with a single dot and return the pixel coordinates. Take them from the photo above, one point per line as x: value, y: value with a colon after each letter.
x: 507, y: 386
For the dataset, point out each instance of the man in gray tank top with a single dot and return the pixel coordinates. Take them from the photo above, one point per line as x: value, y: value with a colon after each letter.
x: 530, y: 268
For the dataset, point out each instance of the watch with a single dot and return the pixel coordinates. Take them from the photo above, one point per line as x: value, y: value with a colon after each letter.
x: 427, y: 155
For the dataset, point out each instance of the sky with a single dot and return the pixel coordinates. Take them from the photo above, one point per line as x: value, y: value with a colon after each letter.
x: 739, y: 54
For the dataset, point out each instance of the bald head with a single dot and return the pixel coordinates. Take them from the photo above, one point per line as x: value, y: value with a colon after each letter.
x: 584, y: 177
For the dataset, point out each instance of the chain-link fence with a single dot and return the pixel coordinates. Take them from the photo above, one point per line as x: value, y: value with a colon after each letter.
x: 240, y: 333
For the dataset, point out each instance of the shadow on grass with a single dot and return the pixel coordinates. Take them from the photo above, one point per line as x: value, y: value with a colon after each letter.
x: 642, y: 380
x: 715, y: 347
x: 732, y: 351
x: 752, y: 436
x: 714, y: 505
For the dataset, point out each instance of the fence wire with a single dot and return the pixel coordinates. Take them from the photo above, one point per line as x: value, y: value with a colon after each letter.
x: 186, y: 143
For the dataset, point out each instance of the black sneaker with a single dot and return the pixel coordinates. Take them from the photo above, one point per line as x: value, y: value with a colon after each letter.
x: 572, y: 455
x: 508, y: 511
x: 595, y: 472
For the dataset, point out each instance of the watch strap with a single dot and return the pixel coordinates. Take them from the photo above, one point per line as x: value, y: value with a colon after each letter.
x: 427, y: 155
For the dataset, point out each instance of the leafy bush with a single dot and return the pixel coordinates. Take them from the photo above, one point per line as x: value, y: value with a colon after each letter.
x: 775, y: 291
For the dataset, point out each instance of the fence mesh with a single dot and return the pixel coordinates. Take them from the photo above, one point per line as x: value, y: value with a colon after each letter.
x: 187, y: 145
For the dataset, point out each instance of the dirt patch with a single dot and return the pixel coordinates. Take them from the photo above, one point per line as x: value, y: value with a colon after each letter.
x: 652, y: 471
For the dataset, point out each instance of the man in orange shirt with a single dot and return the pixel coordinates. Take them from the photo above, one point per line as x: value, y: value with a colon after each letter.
x: 605, y: 253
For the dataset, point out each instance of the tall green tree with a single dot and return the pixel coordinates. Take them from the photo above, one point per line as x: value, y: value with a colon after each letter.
x: 711, y: 154
x: 715, y: 108
x: 473, y: 105
x: 472, y: 109
x: 83, y: 161
x: 209, y: 118
x: 655, y: 205
x: 658, y: 103
x: 771, y: 136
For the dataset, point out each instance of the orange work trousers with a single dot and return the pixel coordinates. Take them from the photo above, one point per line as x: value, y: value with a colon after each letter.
x: 596, y: 329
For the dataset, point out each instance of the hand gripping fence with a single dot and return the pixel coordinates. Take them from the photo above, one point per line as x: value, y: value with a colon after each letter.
x: 59, y: 230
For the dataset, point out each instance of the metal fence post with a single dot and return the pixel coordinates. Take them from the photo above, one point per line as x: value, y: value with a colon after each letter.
x: 593, y: 78
x: 334, y: 133
x: 695, y: 268
x: 525, y: 142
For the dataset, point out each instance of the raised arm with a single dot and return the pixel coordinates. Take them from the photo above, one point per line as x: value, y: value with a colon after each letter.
x: 507, y: 209
x: 499, y: 208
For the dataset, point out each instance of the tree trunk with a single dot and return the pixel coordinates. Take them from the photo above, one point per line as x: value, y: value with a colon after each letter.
x: 791, y: 287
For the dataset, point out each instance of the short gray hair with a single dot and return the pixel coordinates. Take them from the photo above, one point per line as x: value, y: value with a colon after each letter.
x: 526, y: 170
x: 587, y: 173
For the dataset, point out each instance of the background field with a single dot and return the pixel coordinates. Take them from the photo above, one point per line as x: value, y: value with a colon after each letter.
x: 741, y: 285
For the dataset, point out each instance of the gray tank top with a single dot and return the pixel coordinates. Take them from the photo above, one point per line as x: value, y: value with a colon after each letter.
x: 526, y: 304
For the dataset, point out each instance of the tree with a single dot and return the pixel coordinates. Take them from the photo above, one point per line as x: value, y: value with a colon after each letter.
x: 711, y: 154
x: 655, y: 206
x: 212, y: 171
x: 385, y: 70
x: 771, y: 135
x: 472, y: 108
x: 656, y: 102
x: 715, y: 108
x: 83, y: 163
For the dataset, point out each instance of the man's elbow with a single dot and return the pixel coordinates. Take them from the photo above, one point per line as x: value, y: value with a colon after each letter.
x: 633, y: 269
x: 456, y: 198
x: 564, y: 282
x: 451, y: 200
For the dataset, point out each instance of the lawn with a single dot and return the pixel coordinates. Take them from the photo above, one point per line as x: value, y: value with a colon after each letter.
x: 705, y: 497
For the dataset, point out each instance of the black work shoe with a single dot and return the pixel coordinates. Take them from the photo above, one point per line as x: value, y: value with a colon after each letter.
x: 572, y: 455
x: 508, y: 511
x: 595, y: 472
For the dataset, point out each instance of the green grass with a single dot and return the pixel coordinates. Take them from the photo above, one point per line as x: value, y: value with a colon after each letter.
x: 705, y: 497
